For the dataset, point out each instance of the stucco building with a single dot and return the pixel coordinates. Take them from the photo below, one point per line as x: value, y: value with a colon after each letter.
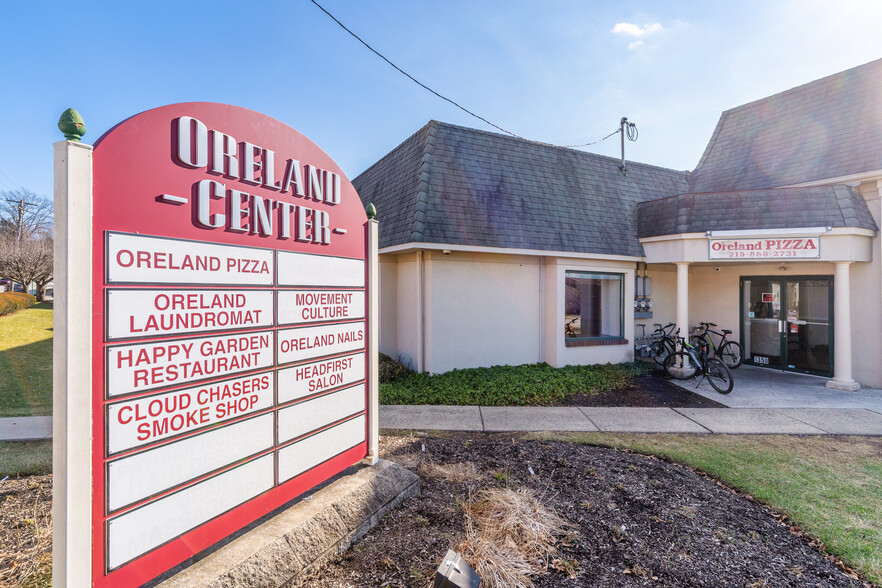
x: 497, y: 250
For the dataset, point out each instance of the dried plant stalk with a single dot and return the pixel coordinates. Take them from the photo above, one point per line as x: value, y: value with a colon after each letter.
x: 510, y: 536
x: 457, y: 473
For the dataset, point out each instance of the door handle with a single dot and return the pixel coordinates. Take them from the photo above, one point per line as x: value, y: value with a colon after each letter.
x: 780, y: 326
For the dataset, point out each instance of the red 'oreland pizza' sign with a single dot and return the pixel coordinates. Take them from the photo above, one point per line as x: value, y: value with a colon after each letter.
x: 766, y: 248
x: 229, y: 330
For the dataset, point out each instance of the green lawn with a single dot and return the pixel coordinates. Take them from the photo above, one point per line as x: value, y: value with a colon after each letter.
x: 830, y: 486
x: 26, y: 362
x: 25, y: 459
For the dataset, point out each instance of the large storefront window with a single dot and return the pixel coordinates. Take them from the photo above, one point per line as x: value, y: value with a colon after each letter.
x: 593, y: 306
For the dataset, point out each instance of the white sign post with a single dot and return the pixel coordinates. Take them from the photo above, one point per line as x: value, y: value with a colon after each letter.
x: 72, y: 368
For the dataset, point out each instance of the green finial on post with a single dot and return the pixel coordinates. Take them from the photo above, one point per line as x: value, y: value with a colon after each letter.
x: 72, y: 125
x: 371, y: 211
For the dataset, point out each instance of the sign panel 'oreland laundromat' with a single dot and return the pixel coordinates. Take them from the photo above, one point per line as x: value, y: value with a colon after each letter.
x: 229, y: 331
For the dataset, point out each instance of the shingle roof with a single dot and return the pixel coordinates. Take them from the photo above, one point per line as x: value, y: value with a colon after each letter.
x: 827, y: 128
x: 451, y: 184
x: 821, y: 206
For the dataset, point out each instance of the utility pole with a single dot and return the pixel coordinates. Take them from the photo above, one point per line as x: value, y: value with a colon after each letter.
x: 22, y: 205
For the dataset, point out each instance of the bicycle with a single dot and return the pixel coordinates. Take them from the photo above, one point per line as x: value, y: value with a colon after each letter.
x: 730, y: 352
x: 662, y: 345
x: 688, y: 361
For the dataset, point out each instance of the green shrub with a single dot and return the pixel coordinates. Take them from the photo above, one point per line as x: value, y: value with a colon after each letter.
x: 392, y: 370
x: 532, y: 384
x: 11, y: 302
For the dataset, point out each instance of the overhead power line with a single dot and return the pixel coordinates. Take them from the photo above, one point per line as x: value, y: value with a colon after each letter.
x: 14, y: 185
x: 445, y: 98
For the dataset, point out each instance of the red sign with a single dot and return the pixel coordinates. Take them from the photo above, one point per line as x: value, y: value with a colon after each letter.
x: 229, y: 290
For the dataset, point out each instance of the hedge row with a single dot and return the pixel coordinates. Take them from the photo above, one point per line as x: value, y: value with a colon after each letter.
x: 11, y: 302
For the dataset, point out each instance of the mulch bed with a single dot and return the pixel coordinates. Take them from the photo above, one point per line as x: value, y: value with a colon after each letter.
x: 25, y: 530
x: 635, y: 521
x: 647, y: 390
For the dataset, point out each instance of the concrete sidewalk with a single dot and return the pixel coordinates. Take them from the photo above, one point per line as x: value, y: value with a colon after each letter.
x: 762, y: 402
x: 802, y: 421
x: 37, y: 428
x: 757, y: 387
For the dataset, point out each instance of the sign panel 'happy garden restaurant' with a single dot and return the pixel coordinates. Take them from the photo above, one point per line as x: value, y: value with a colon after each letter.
x: 229, y: 315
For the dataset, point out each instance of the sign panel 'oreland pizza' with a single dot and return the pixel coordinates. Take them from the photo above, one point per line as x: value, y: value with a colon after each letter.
x: 776, y: 248
x: 229, y: 330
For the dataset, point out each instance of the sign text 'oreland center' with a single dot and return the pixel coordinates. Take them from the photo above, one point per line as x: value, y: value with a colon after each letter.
x: 253, y: 165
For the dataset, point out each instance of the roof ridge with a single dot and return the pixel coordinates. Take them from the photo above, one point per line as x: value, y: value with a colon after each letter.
x: 391, y: 152
x: 609, y: 158
x: 422, y: 194
x: 848, y: 195
x: 710, y: 145
x: 817, y: 82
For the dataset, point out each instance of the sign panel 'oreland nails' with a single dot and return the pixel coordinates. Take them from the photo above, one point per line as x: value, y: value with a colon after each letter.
x: 229, y: 337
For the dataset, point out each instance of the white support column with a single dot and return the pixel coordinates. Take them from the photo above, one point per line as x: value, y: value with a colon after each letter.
x: 373, y: 342
x: 842, y: 379
x: 683, y: 298
x: 72, y: 368
x: 420, y: 318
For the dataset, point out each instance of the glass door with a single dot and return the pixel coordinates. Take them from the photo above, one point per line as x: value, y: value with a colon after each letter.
x: 761, y: 321
x: 787, y: 323
x: 807, y: 325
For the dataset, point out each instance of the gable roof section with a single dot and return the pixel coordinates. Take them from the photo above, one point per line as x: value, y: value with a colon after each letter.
x: 452, y: 184
x: 828, y: 128
x: 821, y: 206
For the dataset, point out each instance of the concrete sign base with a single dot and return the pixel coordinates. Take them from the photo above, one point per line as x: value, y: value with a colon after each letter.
x: 298, y: 541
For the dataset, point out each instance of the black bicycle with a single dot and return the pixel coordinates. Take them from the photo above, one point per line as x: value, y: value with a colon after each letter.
x: 730, y: 352
x: 688, y: 362
x: 662, y: 344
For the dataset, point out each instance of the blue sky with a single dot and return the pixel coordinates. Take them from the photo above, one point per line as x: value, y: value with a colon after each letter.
x: 562, y: 72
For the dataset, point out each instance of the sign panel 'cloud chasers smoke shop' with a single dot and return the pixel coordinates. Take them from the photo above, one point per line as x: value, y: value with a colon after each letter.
x: 229, y: 331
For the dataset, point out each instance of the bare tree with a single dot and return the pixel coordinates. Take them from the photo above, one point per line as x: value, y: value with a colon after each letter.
x: 24, y: 213
x: 26, y: 229
x: 27, y: 261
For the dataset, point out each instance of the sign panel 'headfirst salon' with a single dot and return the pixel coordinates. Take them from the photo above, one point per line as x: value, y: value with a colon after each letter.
x: 222, y: 206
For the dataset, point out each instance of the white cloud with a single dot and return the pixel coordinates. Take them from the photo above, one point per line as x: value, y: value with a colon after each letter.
x: 635, y: 44
x: 632, y: 30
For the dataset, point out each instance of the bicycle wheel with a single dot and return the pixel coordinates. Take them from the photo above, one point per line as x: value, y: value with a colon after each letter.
x: 732, y: 354
x: 660, y: 350
x: 719, y: 376
x: 679, y: 366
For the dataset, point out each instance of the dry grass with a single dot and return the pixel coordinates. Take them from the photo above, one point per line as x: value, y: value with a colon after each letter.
x: 455, y: 473
x: 26, y: 531
x: 510, y: 536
